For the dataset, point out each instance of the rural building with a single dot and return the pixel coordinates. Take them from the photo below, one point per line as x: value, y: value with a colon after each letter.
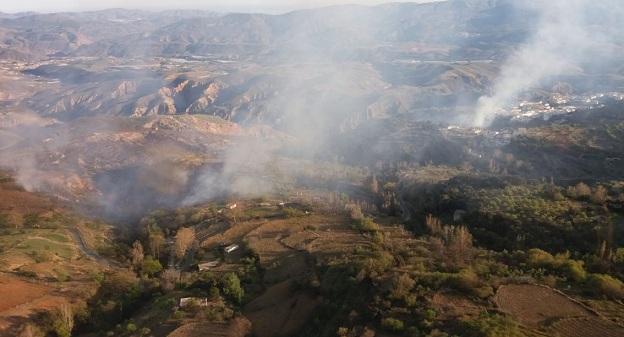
x: 231, y: 248
x: 207, y: 265
x: 186, y: 301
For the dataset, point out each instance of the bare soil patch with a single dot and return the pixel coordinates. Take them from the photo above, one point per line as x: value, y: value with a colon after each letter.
x: 535, y: 305
x: 586, y: 327
x: 280, y: 311
x: 20, y: 299
x: 16, y: 291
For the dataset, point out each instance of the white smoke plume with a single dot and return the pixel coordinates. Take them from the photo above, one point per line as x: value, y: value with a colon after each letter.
x: 565, y: 38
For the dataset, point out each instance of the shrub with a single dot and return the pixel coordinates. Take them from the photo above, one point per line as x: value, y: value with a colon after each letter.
x: 232, y: 287
x: 466, y: 280
x: 600, y: 195
x: 291, y: 212
x: 367, y: 225
x: 61, y: 321
x: 151, y: 266
x: 601, y: 284
x: 539, y: 258
x: 169, y: 279
x: 493, y: 326
x: 574, y: 270
x: 393, y: 324
x: 131, y: 327
x: 413, y: 332
x: 402, y: 285
x: 4, y: 221
x: 31, y: 220
x: 618, y: 257
x: 581, y: 190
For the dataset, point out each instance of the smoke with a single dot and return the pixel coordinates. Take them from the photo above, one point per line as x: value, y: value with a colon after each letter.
x: 309, y: 89
x: 313, y: 89
x: 568, y: 35
x: 247, y: 171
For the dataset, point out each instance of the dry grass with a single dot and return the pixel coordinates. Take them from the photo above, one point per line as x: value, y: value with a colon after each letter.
x: 237, y: 327
x: 450, y: 306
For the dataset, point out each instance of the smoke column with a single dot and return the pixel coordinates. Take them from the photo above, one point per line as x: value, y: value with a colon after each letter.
x: 561, y: 42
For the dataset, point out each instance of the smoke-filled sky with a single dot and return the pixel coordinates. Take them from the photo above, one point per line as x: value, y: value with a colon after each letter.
x: 229, y: 5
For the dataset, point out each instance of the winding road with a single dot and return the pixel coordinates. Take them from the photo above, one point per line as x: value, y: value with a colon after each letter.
x: 93, y: 255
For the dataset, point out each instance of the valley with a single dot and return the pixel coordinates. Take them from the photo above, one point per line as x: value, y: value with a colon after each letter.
x: 404, y: 169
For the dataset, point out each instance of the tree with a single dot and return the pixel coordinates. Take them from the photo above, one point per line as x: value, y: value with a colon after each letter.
x: 434, y: 225
x: 453, y: 243
x: 183, y: 240
x: 62, y: 320
x: 618, y: 257
x: 574, y: 270
x: 374, y: 185
x: 402, y: 285
x: 136, y: 255
x: 581, y: 190
x: 156, y: 241
x: 355, y: 211
x: 151, y: 266
x: 393, y: 324
x: 460, y: 243
x: 600, y: 195
x: 607, y: 285
x: 169, y: 278
x: 232, y: 287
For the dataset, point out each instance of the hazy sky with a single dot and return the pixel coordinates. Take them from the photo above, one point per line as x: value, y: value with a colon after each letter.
x: 219, y: 5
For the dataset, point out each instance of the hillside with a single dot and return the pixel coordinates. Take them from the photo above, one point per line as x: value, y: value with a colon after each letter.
x: 442, y: 169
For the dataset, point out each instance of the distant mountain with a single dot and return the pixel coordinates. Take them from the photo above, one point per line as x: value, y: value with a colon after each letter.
x: 352, y: 63
x: 338, y: 29
x: 43, y: 35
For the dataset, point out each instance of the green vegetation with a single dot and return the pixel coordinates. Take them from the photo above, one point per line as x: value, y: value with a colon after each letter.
x: 493, y: 326
x: 232, y: 287
x: 151, y: 266
x: 393, y: 324
x: 606, y: 285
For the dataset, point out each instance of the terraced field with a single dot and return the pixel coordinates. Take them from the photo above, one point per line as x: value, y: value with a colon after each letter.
x: 545, y: 310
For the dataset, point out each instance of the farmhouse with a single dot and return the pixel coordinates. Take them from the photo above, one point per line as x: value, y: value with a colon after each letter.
x: 207, y: 265
x: 186, y: 301
x: 231, y: 248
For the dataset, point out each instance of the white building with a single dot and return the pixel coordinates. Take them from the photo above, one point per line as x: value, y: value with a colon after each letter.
x: 186, y: 301
x: 231, y: 248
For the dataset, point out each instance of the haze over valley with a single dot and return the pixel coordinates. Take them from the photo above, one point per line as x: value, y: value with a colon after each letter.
x: 402, y: 169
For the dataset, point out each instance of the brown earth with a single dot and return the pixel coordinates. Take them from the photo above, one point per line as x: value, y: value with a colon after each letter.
x: 544, y: 309
x: 586, y: 327
x: 451, y: 306
x: 21, y: 299
x: 280, y: 311
x: 238, y: 327
x: 535, y: 305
